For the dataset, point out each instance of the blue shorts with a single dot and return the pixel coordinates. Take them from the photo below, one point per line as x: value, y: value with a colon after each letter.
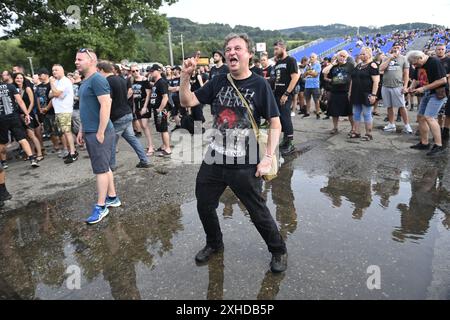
x: 430, y: 105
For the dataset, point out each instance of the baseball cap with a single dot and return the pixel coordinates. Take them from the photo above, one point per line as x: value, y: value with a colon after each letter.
x: 155, y: 67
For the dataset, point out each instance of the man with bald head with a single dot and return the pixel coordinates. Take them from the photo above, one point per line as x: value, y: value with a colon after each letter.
x: 62, y: 100
x: 312, y: 84
x: 97, y: 131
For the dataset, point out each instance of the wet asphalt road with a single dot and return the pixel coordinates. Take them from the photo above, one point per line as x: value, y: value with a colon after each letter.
x: 342, y: 206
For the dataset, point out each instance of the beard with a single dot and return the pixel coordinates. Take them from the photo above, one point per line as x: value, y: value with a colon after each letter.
x: 280, y: 55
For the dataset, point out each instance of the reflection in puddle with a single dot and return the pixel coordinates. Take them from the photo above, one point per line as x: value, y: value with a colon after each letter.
x: 334, y: 226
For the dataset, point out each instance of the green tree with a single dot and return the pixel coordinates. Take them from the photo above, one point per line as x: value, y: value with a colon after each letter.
x: 55, y: 29
x: 12, y: 54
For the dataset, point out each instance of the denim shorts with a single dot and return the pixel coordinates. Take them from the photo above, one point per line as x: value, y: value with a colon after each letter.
x: 430, y: 105
x: 100, y: 153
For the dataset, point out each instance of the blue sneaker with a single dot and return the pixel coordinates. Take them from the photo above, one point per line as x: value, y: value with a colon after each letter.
x: 97, y: 215
x: 113, y: 203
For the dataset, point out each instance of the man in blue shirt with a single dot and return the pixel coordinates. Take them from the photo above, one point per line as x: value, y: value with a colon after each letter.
x: 97, y: 131
x: 312, y: 84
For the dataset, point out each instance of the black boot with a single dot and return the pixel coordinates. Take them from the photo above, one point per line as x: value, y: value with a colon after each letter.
x: 445, y: 134
x: 278, y: 263
x: 287, y: 148
x: 203, y: 255
x: 4, y: 194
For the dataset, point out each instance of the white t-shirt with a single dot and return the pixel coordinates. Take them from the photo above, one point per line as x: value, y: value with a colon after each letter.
x: 63, y: 103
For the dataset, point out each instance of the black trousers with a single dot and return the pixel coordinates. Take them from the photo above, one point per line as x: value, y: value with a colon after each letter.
x: 197, y: 113
x: 285, y: 117
x: 211, y: 183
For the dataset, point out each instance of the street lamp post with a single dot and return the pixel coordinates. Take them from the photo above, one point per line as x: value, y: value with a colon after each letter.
x: 182, y: 47
x: 170, y: 45
x: 31, y: 65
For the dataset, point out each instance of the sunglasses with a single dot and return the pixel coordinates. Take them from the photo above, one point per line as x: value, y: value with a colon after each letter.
x: 134, y: 71
x: 87, y: 51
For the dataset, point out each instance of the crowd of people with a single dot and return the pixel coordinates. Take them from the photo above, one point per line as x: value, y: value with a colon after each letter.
x: 354, y: 87
x: 92, y: 106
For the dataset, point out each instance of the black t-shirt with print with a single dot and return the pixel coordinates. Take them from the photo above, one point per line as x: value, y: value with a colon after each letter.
x: 175, y: 82
x: 283, y: 70
x: 42, y: 93
x: 8, y: 104
x: 139, y: 93
x: 362, y: 82
x: 119, y: 105
x: 159, y: 89
x: 341, y: 76
x: 215, y: 71
x: 231, y: 121
x: 431, y: 71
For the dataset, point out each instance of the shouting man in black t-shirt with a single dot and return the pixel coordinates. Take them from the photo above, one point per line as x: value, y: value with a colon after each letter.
x: 286, y: 78
x: 229, y: 161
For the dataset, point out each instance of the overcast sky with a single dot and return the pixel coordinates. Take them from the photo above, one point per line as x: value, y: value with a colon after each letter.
x: 282, y: 14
